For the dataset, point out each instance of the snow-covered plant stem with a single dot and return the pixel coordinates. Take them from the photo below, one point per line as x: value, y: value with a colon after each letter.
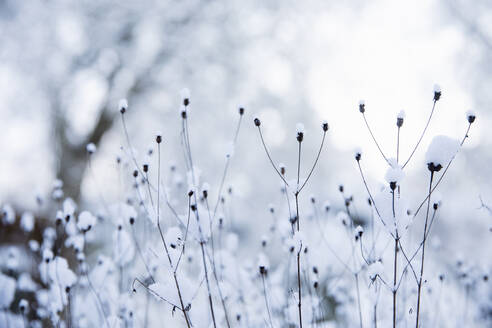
x: 263, y: 273
x: 395, y: 266
x: 183, y: 309
x: 299, y: 304
x: 202, y: 238
x: 419, y: 286
x: 281, y: 173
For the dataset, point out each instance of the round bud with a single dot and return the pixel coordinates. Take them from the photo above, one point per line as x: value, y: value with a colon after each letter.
x: 123, y: 106
x: 362, y: 106
x: 241, y: 111
x: 257, y: 122
x: 437, y: 92
x: 132, y: 221
x: 146, y: 168
x: 158, y: 139
x: 325, y: 126
x: 135, y: 173
x: 393, y: 185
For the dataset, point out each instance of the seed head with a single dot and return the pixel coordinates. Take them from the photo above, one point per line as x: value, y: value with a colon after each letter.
x: 437, y: 92
x: 362, y: 106
x: 123, y: 106
x: 257, y: 122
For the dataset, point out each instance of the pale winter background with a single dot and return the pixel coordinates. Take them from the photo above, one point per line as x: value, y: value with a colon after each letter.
x: 64, y: 66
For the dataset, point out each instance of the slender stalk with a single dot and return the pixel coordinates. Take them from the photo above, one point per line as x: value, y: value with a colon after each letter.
x: 163, y: 239
x: 419, y: 293
x: 270, y: 158
x: 315, y: 162
x: 358, y: 298
x: 198, y: 222
x: 299, y: 305
x: 395, y: 267
x: 373, y: 138
x: 266, y: 300
x: 208, y: 285
x: 422, y: 135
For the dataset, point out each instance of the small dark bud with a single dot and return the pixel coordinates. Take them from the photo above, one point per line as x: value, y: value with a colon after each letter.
x: 362, y: 106
x: 263, y: 243
x: 282, y: 170
x: 313, y: 200
x: 437, y: 93
x: 399, y: 122
x: 315, y: 285
x: 315, y: 270
x: 358, y: 156
x: 158, y: 138
x: 67, y: 289
x: 134, y: 290
x: 183, y: 115
x: 257, y: 122
x: 340, y: 188
x: 325, y: 126
x: 120, y: 227
x: 146, y: 168
x: 263, y: 270
x: 434, y: 168
x: 441, y: 277
x: 205, y: 194
x: 241, y: 111
x: 435, y: 206
x: 132, y: 221
x: 193, y: 207
x: 300, y: 136
x: 186, y: 101
x: 470, y: 116
x: 485, y: 278
x: 135, y: 173
x: 291, y: 249
x: 369, y: 201
x: 393, y: 185
x: 190, y: 193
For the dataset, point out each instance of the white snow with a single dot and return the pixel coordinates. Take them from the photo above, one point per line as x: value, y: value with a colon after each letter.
x: 27, y: 222
x: 91, y: 148
x: 394, y: 173
x: 86, y: 221
x: 8, y: 214
x: 300, y: 128
x: 401, y: 114
x: 123, y: 104
x: 7, y: 291
x: 441, y: 150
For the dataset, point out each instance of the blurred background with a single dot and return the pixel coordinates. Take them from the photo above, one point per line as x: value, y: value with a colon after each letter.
x: 64, y: 65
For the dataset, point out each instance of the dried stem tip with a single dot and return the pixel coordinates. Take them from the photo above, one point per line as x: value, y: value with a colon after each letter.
x: 241, y: 110
x: 257, y: 122
x: 123, y: 106
x: 325, y: 126
x: 362, y: 106
x: 158, y: 138
x: 470, y: 116
x: 437, y: 92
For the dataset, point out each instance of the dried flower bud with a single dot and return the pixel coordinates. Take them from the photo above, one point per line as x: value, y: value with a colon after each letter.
x: 470, y: 116
x: 362, y: 106
x: 241, y: 111
x: 325, y: 126
x: 123, y: 106
x: 257, y: 122
x: 437, y: 92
